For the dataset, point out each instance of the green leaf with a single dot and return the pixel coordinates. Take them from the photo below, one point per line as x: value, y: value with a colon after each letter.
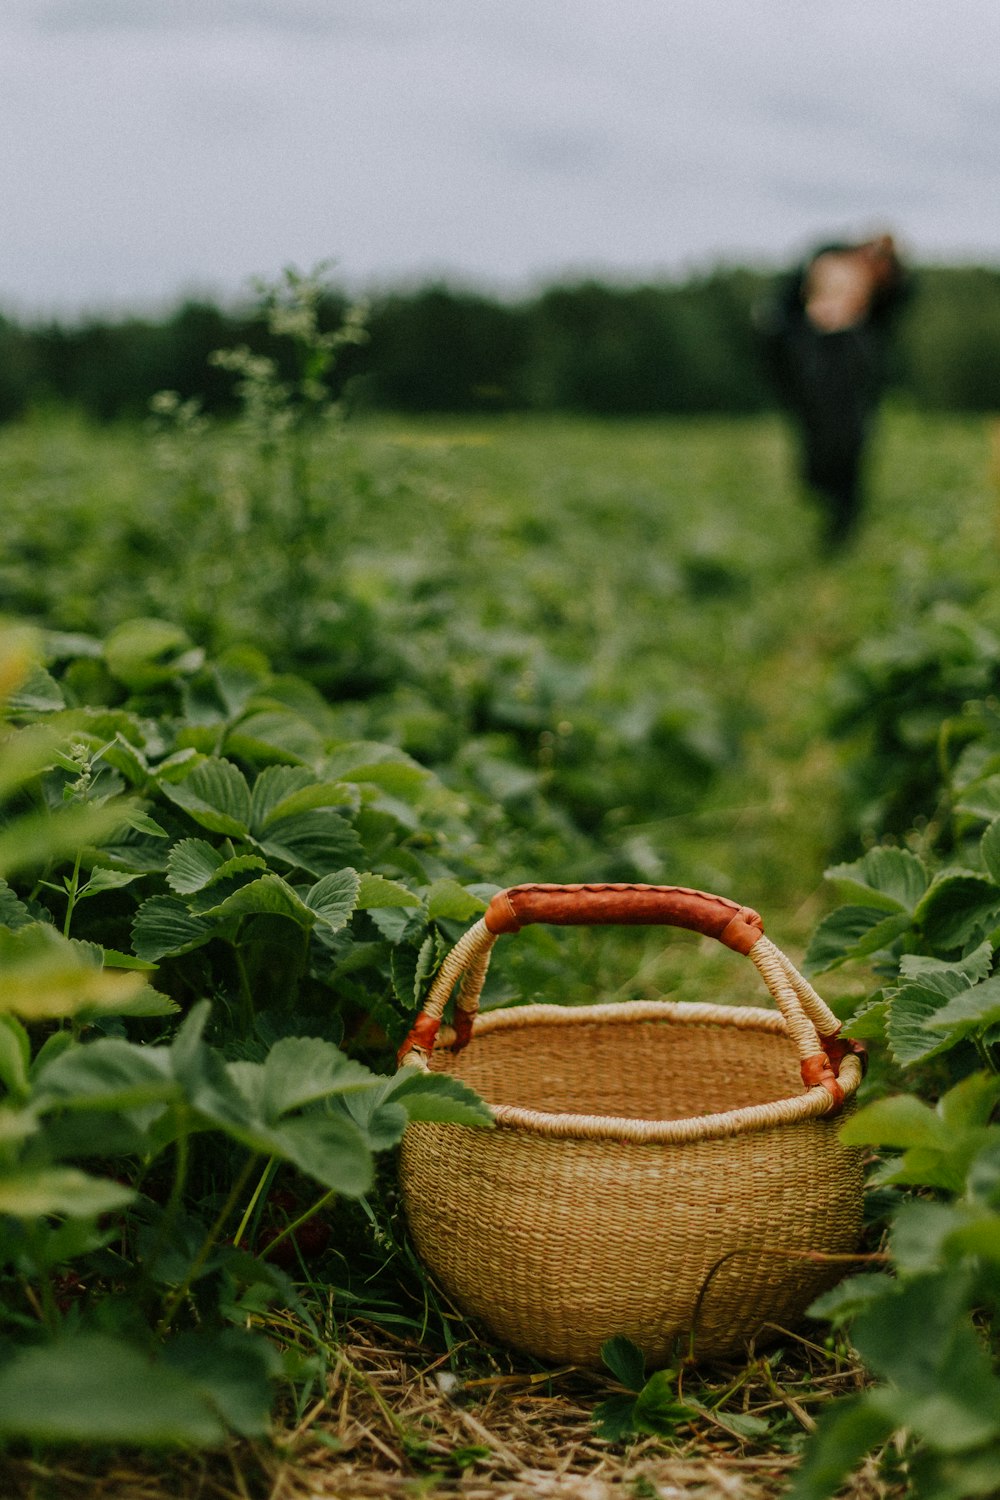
x: 958, y: 908
x: 147, y: 653
x: 613, y: 1419
x: 914, y: 1007
x: 893, y: 879
x: 900, y: 1121
x: 15, y: 1057
x: 273, y: 786
x: 845, y: 1432
x: 973, y: 967
x: 233, y: 1371
x: 377, y: 891
x: 982, y: 798
x: 919, y: 1232
x: 268, y: 896
x: 93, y: 1389
x: 301, y: 1070
x: 215, y: 794
x: 275, y: 735
x: 44, y: 976
x: 13, y: 912
x: 329, y: 1148
x: 449, y: 900
x: 657, y: 1409
x: 191, y: 864
x: 319, y: 842
x: 852, y: 932
x: 105, y: 880
x: 970, y: 1103
x: 106, y: 1074
x: 435, y: 1096
x: 989, y: 848
x: 973, y: 1010
x: 850, y: 1296
x: 334, y: 898
x: 626, y: 1361
x: 163, y: 927
x: 59, y: 1190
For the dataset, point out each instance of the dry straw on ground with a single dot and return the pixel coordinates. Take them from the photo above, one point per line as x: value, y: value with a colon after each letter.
x: 395, y: 1422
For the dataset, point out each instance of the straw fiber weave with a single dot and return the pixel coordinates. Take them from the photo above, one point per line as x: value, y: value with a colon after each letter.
x: 656, y: 1169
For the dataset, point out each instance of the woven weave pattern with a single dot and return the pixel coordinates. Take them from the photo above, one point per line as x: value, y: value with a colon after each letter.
x: 558, y: 1244
x: 656, y: 1169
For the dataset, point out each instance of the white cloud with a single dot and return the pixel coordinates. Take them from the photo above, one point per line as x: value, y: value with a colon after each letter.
x: 152, y: 146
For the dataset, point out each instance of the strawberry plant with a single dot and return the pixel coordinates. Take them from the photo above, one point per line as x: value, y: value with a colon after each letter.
x: 136, y: 1153
x: 927, y: 1332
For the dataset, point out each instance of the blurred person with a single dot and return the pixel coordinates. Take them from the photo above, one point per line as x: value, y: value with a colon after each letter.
x: 825, y: 334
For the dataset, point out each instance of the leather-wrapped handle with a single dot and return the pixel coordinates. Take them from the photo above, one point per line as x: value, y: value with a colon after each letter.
x: 738, y: 927
x: 812, y: 1026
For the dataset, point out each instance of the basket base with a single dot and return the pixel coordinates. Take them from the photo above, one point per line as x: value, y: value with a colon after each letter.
x: 555, y: 1246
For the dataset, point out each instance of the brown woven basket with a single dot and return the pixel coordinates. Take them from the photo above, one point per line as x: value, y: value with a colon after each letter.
x: 656, y: 1169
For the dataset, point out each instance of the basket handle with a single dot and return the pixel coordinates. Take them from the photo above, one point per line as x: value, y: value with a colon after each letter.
x: 737, y: 926
x: 811, y: 1024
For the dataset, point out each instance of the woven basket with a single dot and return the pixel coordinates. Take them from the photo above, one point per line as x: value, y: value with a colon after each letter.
x: 656, y: 1169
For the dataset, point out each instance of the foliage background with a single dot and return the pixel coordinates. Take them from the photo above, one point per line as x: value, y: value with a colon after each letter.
x: 591, y: 348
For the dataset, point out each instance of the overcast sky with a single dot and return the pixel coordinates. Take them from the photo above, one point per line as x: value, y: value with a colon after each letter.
x: 157, y: 148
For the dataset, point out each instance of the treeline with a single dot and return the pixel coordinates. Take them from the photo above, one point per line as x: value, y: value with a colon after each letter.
x: 589, y: 348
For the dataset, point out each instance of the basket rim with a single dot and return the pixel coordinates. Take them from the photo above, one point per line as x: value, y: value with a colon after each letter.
x: 718, y: 1125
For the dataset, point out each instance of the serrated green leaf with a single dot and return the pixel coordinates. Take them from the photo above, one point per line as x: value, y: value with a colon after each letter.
x: 958, y: 908
x: 334, y: 898
x: 970, y: 1011
x: 972, y: 967
x: 105, y: 880
x: 852, y: 932
x: 215, y: 794
x: 893, y: 879
x: 191, y: 864
x: 13, y: 912
x: 320, y: 842
x: 657, y: 1410
x: 626, y: 1361
x: 267, y: 896
x: 272, y: 787
x: 912, y: 1008
x: 164, y: 928
x: 329, y: 1148
x: 448, y: 900
x: 377, y: 891
x: 613, y: 1418
x: 302, y: 1070
x: 435, y: 1096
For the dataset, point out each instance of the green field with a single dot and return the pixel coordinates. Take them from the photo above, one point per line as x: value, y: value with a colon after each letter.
x: 626, y: 634
x: 583, y: 651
